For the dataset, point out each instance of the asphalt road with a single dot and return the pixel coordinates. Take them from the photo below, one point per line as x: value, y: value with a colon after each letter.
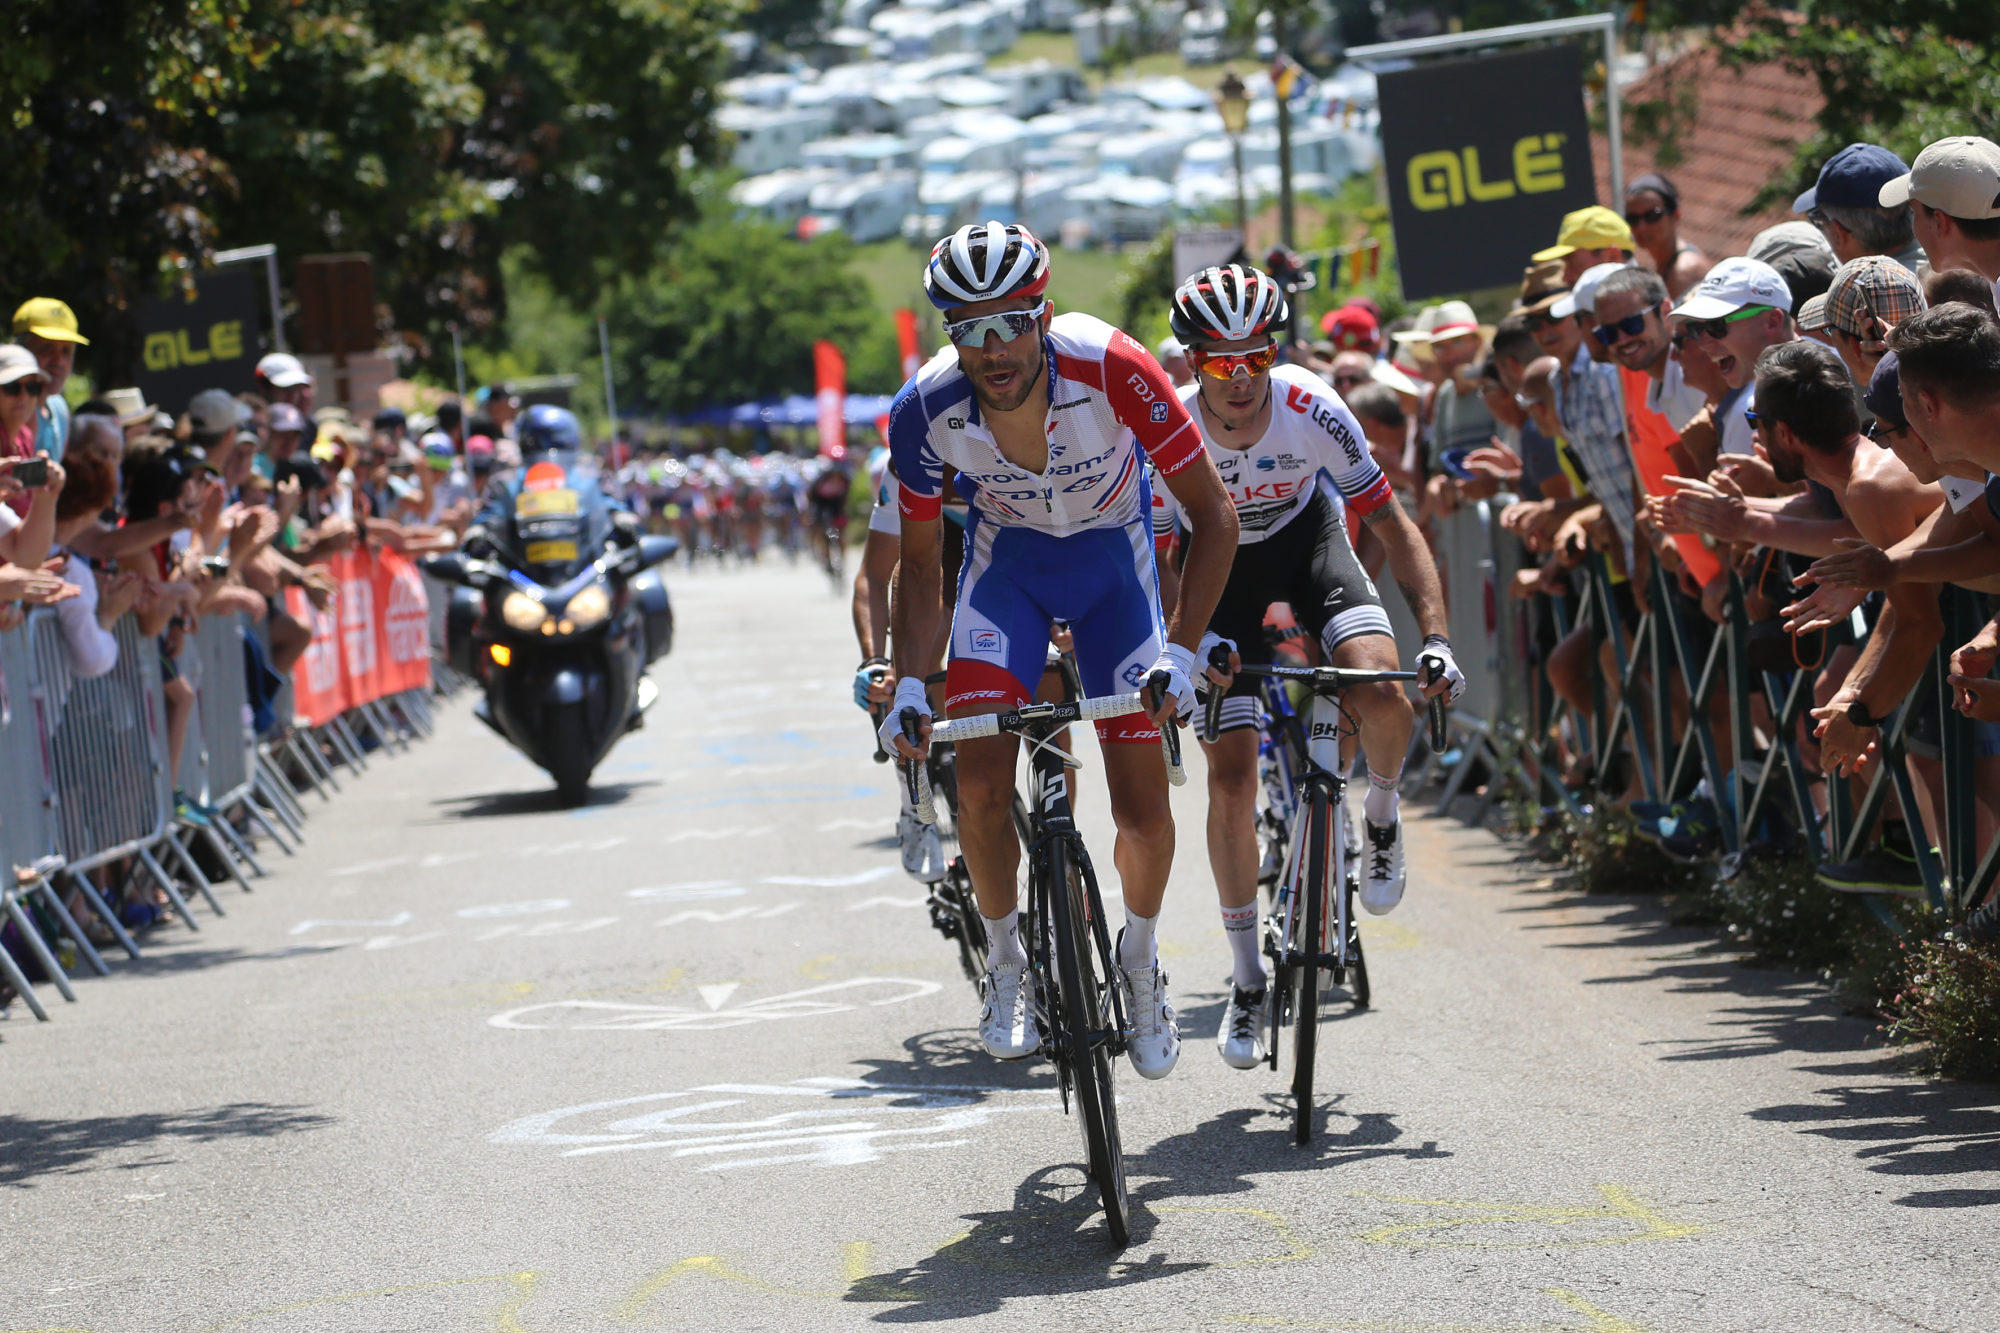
x: 692, y: 1057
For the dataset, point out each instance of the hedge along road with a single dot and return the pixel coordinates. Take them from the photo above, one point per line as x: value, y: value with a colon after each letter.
x: 692, y: 1057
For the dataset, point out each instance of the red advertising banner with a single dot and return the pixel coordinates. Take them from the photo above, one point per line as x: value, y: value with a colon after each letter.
x: 373, y: 641
x: 830, y: 374
x: 906, y: 342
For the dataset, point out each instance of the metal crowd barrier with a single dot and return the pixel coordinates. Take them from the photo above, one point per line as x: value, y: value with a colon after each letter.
x: 86, y: 796
x: 1660, y: 721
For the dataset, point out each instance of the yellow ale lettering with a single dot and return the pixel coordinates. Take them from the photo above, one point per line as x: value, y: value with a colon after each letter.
x: 225, y: 340
x: 188, y: 355
x: 159, y: 351
x: 1538, y: 166
x: 1480, y: 190
x: 1436, y: 181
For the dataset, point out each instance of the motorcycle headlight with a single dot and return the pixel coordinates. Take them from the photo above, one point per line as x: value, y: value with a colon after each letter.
x: 589, y: 608
x: 523, y: 613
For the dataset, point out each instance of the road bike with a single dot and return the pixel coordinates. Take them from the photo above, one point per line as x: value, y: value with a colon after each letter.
x: 1079, y: 1006
x: 1310, y: 932
x: 954, y: 911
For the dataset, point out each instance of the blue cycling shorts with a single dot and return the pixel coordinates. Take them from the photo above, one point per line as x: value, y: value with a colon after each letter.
x: 1016, y: 581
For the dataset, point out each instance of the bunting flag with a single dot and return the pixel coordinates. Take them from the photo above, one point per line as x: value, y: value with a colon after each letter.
x: 1349, y: 265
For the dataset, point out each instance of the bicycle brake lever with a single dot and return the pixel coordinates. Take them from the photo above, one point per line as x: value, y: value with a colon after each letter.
x: 913, y: 770
x: 1435, y: 667
x: 1156, y: 692
x: 1211, y: 718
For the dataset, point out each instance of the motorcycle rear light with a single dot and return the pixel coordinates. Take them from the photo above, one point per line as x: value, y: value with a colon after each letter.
x: 502, y: 654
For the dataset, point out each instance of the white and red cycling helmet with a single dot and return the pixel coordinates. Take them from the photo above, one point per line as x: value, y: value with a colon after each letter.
x: 1227, y: 305
x: 985, y: 261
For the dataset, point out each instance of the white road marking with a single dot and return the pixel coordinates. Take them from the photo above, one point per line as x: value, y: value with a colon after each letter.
x: 718, y: 995
x: 835, y: 997
x: 531, y: 907
x: 842, y: 1122
x: 833, y: 881
x: 716, y: 834
x: 400, y: 919
x: 883, y: 900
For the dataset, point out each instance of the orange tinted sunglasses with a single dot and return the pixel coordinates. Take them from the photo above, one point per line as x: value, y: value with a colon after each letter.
x: 1228, y: 365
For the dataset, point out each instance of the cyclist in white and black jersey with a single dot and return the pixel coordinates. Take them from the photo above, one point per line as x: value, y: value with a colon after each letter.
x: 1272, y: 430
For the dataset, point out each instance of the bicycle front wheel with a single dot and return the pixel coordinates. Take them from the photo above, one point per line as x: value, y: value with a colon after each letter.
x: 1311, y: 944
x: 1085, y: 1043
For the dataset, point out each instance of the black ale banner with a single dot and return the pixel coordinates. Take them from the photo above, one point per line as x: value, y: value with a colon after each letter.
x: 210, y: 342
x: 1483, y: 158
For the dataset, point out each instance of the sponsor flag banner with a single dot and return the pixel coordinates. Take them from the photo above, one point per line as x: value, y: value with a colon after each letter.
x: 405, y: 650
x: 1483, y: 158
x: 830, y: 375
x: 906, y: 342
x: 373, y: 641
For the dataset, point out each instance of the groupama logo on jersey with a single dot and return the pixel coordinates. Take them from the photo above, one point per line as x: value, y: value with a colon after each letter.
x: 1159, y: 411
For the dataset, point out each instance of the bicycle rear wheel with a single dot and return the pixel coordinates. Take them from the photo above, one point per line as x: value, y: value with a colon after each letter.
x: 1084, y: 1045
x: 1311, y: 942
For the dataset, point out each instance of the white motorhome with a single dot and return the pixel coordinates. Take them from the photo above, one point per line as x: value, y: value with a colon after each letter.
x: 778, y: 196
x: 857, y: 154
x: 768, y: 139
x: 868, y: 208
x: 945, y: 203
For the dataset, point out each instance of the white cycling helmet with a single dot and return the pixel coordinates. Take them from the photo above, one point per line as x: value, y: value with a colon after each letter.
x: 1226, y: 304
x: 985, y: 261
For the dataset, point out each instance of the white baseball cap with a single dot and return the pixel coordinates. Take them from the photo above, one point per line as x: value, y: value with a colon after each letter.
x: 1169, y: 346
x: 1732, y: 285
x: 1583, y: 296
x: 16, y: 363
x: 1959, y: 176
x: 215, y: 412
x: 282, y: 370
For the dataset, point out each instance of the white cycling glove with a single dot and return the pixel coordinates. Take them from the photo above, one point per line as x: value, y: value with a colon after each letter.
x: 1178, y: 663
x: 1209, y: 643
x: 1437, y: 646
x: 909, y: 694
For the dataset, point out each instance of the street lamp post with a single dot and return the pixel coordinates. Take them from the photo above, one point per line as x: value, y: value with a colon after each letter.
x: 1234, y: 103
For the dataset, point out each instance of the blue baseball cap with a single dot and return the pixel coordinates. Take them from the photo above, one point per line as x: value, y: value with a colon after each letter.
x: 1852, y: 178
x: 1885, y: 391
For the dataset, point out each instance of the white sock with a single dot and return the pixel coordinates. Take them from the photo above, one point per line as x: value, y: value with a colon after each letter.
x: 1003, y: 934
x: 1135, y: 946
x: 1240, y: 925
x: 1381, y: 802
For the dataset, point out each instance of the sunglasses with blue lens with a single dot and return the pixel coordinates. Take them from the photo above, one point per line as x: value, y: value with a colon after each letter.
x: 1629, y: 327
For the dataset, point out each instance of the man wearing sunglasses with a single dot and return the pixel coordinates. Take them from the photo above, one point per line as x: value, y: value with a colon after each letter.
x: 1738, y: 310
x: 1050, y: 421
x: 1273, y: 430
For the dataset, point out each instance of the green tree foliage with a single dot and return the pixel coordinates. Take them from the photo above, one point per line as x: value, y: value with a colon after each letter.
x: 433, y: 134
x: 1894, y: 72
x: 731, y: 313
x: 103, y: 177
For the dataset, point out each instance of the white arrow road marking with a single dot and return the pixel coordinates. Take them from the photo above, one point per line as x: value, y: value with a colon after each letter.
x: 717, y: 996
x: 400, y: 919
x: 813, y: 1002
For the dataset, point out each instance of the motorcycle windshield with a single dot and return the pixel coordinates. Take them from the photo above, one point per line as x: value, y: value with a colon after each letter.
x: 561, y: 519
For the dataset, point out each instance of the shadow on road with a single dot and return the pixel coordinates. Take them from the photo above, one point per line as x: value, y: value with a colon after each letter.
x: 499, y: 804
x: 32, y: 1148
x: 953, y: 1057
x: 1051, y: 1242
x: 1907, y: 1129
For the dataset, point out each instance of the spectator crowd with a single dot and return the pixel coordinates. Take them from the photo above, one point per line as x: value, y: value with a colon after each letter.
x: 1817, y: 417
x: 166, y: 513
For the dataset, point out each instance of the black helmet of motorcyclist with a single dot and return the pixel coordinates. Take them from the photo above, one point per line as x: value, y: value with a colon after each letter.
x: 546, y: 428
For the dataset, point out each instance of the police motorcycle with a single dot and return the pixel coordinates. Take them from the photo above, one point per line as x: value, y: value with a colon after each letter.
x: 558, y: 607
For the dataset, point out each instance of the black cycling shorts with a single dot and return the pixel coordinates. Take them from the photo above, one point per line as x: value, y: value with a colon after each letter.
x: 1309, y: 563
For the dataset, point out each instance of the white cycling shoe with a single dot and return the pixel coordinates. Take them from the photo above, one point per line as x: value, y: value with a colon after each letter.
x: 1382, y: 874
x: 923, y: 849
x: 1155, y: 1044
x: 1007, y: 1026
x: 1240, y: 1039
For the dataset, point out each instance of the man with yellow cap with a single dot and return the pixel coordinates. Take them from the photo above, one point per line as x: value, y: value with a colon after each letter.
x: 1589, y: 237
x: 47, y: 327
